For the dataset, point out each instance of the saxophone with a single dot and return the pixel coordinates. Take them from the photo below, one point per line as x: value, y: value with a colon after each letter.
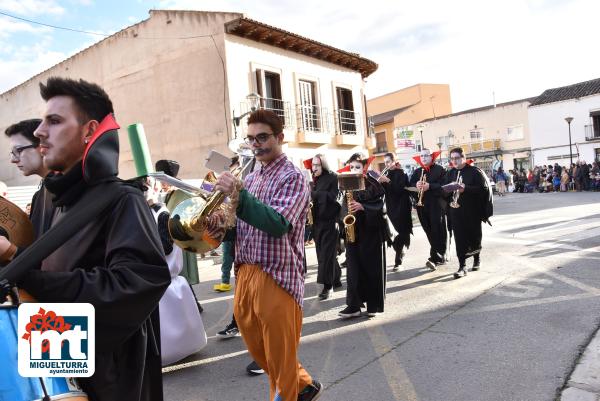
x: 310, y: 214
x: 349, y: 220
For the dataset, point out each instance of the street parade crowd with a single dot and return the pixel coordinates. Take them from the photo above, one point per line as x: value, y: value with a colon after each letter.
x: 127, y: 247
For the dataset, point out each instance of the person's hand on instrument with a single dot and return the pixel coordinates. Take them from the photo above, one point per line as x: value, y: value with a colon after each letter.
x: 226, y: 183
x: 355, y: 207
x: 383, y: 179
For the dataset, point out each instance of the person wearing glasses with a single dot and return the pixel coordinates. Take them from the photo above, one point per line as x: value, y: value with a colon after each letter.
x: 25, y: 154
x: 272, y: 205
x: 474, y: 198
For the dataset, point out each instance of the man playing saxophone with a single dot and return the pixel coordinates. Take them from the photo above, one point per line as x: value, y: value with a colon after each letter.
x: 431, y: 214
x: 466, y: 216
x: 365, y: 273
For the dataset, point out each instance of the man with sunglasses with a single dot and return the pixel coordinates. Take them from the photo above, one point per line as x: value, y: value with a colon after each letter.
x: 269, y: 252
x: 25, y: 154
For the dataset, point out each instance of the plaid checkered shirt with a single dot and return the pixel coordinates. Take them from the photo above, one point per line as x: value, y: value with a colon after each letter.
x: 282, y: 186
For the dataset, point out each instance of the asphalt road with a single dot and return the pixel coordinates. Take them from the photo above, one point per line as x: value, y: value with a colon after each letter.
x: 512, y: 331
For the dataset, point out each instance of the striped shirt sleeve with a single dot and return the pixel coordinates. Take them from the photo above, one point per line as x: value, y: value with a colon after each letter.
x: 291, y: 198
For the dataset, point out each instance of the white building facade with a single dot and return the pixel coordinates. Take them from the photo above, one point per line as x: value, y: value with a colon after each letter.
x: 550, y: 130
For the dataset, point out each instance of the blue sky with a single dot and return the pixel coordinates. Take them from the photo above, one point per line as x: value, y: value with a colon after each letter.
x: 510, y: 48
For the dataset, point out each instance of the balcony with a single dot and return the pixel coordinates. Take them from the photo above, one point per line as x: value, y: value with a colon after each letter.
x: 282, y: 108
x: 348, y: 128
x: 482, y: 146
x: 591, y: 134
x: 313, y: 125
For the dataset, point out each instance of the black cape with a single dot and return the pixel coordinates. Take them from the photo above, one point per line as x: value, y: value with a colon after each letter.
x: 366, y: 256
x: 465, y: 221
x: 432, y: 216
x: 325, y: 210
x: 399, y: 206
x: 116, y: 263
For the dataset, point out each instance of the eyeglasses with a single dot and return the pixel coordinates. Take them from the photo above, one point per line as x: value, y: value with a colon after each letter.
x: 15, y: 153
x: 456, y: 158
x: 259, y: 138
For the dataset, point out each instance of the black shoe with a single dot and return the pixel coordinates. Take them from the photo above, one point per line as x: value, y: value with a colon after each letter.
x: 349, y: 312
x: 254, y: 370
x: 337, y: 285
x: 231, y: 330
x: 325, y: 294
x: 312, y: 392
x: 431, y: 264
x: 476, y: 267
x: 460, y: 273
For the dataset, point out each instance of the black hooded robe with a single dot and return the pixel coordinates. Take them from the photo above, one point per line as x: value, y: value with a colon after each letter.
x: 399, y: 208
x: 365, y: 257
x: 325, y: 212
x: 465, y: 221
x: 432, y: 216
x: 117, y: 264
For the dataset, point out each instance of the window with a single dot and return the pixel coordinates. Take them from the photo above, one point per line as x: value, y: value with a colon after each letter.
x: 596, y: 124
x: 345, y: 113
x: 268, y: 86
x: 476, y: 135
x: 514, y: 133
x: 380, y: 142
x: 597, y: 154
x: 309, y: 111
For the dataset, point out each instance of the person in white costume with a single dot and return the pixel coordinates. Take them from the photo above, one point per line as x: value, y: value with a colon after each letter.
x: 181, y: 328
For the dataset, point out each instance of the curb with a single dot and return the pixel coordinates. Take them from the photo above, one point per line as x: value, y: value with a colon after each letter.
x: 584, y: 383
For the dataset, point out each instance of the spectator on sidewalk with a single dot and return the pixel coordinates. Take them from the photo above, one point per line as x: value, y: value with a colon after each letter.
x: 500, y: 179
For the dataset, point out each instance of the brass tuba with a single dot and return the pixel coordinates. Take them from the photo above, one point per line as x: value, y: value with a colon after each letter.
x: 191, y: 218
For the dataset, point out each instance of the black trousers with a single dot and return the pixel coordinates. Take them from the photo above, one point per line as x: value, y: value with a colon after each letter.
x: 326, y: 241
x: 433, y: 221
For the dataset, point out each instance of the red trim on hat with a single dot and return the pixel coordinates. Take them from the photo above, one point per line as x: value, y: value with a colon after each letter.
x: 107, y: 124
x: 344, y: 169
x: 307, y: 164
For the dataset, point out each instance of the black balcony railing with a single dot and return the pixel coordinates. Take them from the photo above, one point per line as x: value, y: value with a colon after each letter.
x: 347, y: 122
x: 591, y: 134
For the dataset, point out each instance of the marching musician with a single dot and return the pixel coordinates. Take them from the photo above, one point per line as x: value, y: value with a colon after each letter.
x: 398, y: 205
x: 365, y: 272
x: 473, y: 197
x: 116, y: 261
x: 269, y: 250
x: 429, y: 179
x: 325, y: 213
x: 25, y: 154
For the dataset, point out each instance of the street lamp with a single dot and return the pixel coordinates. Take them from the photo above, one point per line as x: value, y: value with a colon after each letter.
x: 420, y: 127
x: 568, y: 120
x: 254, y: 100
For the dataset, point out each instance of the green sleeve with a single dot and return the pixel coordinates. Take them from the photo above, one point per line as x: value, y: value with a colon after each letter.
x: 261, y: 216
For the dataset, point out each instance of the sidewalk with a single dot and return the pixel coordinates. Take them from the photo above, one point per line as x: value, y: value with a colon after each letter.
x: 584, y: 383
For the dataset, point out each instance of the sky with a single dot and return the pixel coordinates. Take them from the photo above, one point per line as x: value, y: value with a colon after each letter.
x: 486, y: 50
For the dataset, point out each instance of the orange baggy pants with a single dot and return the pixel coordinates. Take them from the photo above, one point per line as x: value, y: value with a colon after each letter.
x: 270, y: 321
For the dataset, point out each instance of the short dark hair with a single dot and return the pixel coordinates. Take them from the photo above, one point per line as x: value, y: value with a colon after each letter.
x: 390, y: 155
x: 91, y: 100
x: 25, y: 128
x: 266, y: 117
x: 458, y: 150
x: 357, y: 157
